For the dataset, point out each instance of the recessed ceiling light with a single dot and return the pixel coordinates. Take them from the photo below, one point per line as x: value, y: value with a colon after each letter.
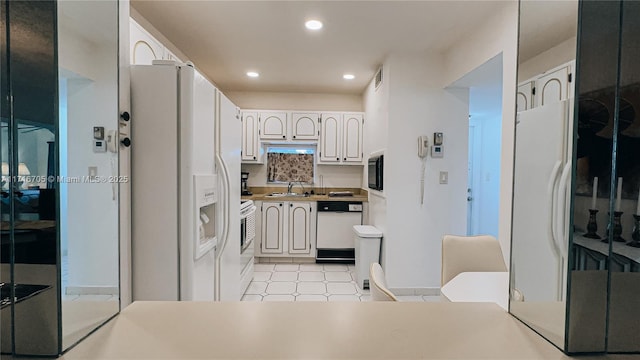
x: 348, y: 76
x: 313, y: 25
x: 252, y: 74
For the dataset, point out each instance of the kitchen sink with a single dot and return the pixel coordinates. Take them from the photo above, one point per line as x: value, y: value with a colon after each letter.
x: 279, y: 194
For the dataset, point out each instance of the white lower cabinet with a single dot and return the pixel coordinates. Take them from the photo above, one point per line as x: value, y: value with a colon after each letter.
x: 288, y: 228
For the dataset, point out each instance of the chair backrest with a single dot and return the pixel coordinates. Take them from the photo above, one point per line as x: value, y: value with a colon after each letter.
x: 378, y: 286
x: 470, y: 253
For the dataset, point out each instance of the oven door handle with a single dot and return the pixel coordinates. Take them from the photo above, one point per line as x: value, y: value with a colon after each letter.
x: 246, y: 244
x: 246, y: 214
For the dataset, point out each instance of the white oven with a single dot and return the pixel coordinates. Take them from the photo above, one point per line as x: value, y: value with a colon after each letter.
x: 247, y: 234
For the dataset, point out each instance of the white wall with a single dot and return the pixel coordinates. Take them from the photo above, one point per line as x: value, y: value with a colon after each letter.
x: 295, y: 101
x: 376, y: 107
x: 89, y: 69
x: 498, y: 35
x: 557, y: 55
x: 418, y: 105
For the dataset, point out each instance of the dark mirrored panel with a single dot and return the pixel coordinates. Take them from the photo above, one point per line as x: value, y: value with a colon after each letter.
x: 624, y: 260
x: 32, y: 222
x: 543, y: 165
x: 595, y: 174
x: 5, y: 238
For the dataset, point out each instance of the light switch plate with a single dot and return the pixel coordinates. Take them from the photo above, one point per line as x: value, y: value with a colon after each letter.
x: 444, y: 177
x: 93, y: 172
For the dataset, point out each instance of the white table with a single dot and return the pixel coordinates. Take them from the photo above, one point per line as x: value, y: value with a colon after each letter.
x: 479, y: 287
x: 314, y: 330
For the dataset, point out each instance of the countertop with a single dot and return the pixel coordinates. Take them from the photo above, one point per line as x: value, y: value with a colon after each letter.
x: 264, y: 197
x: 260, y: 194
x: 329, y: 330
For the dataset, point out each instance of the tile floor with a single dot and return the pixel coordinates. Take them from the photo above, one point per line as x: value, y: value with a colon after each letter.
x: 310, y: 282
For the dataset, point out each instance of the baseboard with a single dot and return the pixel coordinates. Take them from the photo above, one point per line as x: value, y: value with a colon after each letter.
x: 284, y: 260
x: 415, y: 291
x: 91, y: 290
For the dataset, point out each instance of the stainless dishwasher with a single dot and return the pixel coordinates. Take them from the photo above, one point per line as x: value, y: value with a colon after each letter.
x: 335, y: 239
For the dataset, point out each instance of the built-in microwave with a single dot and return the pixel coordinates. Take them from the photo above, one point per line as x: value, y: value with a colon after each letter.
x: 376, y: 165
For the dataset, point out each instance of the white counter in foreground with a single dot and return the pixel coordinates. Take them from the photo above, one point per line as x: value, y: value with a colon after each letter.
x: 190, y: 330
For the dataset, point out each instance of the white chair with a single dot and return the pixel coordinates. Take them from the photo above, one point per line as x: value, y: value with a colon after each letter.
x: 470, y: 254
x: 378, y: 286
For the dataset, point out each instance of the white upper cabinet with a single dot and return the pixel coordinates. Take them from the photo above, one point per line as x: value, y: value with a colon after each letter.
x: 352, y: 150
x: 552, y: 87
x: 305, y: 126
x: 144, y: 48
x: 273, y: 125
x: 250, y: 138
x: 524, y: 97
x: 341, y: 139
x: 547, y: 88
x: 330, y: 138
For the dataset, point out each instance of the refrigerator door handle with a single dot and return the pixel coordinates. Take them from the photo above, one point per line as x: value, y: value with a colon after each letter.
x: 225, y: 224
x: 551, y: 186
x: 561, y: 210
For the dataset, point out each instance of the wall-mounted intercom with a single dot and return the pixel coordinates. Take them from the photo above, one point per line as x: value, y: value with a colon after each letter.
x: 423, y: 150
x: 112, y: 141
x: 437, y: 138
x: 423, y: 146
x: 99, y: 145
x: 437, y: 150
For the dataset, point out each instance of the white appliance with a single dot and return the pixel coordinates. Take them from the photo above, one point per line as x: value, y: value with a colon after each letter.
x: 247, y: 247
x: 334, y: 238
x: 541, y: 223
x: 185, y: 186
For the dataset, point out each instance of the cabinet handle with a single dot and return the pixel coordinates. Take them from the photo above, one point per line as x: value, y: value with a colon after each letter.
x: 280, y: 204
x: 345, y: 159
x: 254, y: 158
x: 284, y: 136
x: 125, y: 116
x: 290, y: 205
x: 337, y: 159
x: 294, y: 136
x: 126, y: 142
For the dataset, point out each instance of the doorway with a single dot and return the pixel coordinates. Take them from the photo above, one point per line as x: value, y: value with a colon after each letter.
x: 484, y: 146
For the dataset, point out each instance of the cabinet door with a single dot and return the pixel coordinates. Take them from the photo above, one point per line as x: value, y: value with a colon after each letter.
x: 250, y: 140
x: 352, y: 138
x: 552, y: 87
x: 299, y: 228
x: 305, y: 126
x: 272, y: 227
x: 330, y: 138
x: 524, y: 97
x: 144, y: 48
x: 273, y: 125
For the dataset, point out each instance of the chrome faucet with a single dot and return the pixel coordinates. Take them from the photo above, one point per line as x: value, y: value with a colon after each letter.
x: 292, y: 184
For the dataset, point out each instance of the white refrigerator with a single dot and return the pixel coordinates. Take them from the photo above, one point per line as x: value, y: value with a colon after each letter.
x: 185, y: 149
x: 541, y: 200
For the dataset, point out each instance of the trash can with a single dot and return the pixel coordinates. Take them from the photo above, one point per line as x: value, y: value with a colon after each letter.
x: 367, y: 239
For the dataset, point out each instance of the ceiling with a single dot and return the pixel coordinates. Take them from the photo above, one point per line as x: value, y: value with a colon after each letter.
x: 545, y: 24
x: 225, y: 39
